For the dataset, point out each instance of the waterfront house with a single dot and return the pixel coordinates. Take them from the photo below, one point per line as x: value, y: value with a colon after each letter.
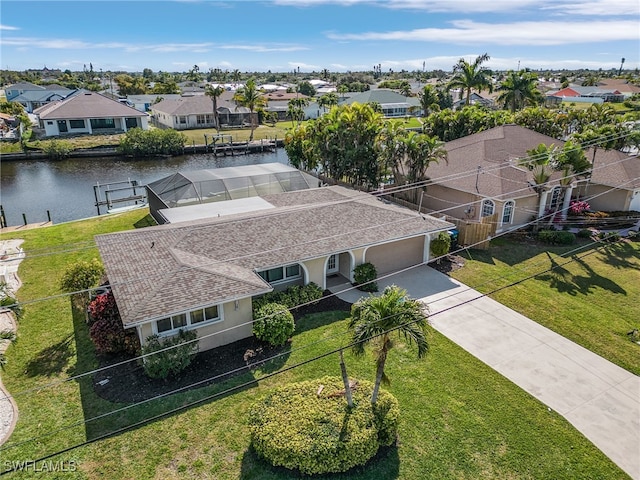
x: 392, y: 103
x: 87, y: 112
x: 203, y: 274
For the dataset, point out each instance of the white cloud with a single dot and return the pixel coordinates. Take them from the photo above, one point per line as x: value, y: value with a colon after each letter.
x: 460, y: 6
x: 304, y: 66
x: 468, y: 32
x: 225, y: 64
x: 8, y: 27
x: 597, y: 7
x: 264, y: 48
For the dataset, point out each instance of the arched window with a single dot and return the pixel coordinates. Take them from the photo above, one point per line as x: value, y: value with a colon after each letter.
x: 507, y: 212
x: 488, y: 207
x: 555, y: 198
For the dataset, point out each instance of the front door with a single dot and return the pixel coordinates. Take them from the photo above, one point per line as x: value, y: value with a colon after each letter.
x: 333, y: 265
x: 62, y: 126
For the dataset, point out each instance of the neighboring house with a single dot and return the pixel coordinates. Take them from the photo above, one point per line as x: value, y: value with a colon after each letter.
x: 620, y: 84
x: 278, y: 102
x: 192, y: 194
x: 483, y: 178
x: 202, y: 275
x: 474, y: 99
x: 588, y: 94
x: 34, y: 99
x: 89, y: 112
x: 143, y: 103
x: 187, y: 112
x: 12, y: 91
x: 393, y: 104
x: 191, y: 88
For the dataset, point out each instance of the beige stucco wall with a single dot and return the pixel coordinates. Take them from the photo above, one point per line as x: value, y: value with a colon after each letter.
x: 393, y: 256
x: 600, y: 197
x: 316, y: 269
x: 345, y: 266
x: 207, y: 333
x: 445, y: 200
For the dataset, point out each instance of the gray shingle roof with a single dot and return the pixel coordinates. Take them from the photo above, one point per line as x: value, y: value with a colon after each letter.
x: 197, y: 105
x: 166, y: 269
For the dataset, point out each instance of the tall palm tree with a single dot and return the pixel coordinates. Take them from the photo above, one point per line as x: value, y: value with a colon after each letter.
x: 214, y: 93
x: 468, y: 76
x: 249, y: 96
x: 296, y: 108
x: 519, y: 90
x: 375, y: 318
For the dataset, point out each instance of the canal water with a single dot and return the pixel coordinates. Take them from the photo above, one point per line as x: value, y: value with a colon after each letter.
x: 65, y: 187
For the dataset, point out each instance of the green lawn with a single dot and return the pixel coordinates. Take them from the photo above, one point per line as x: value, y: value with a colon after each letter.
x: 591, y: 300
x: 460, y: 419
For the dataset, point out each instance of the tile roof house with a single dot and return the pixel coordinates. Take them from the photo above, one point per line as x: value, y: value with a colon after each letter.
x: 202, y: 274
x: 196, y: 111
x: 483, y: 177
x: 588, y: 94
x: 87, y: 112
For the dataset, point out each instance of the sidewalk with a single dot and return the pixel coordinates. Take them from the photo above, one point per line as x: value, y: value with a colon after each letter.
x: 600, y: 399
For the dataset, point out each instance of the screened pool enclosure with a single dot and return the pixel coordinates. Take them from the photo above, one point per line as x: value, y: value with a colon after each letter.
x: 222, y: 184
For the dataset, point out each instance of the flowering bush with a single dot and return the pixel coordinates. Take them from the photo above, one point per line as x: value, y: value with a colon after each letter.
x: 578, y: 207
x: 106, y: 332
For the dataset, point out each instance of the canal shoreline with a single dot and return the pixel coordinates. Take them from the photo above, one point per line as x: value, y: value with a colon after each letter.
x: 231, y: 149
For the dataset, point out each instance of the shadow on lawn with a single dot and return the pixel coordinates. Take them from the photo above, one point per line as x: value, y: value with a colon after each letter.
x: 384, y: 466
x: 51, y: 360
x: 564, y: 281
x: 618, y: 255
x: 205, y: 380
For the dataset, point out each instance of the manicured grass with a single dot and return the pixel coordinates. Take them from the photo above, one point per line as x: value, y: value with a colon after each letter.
x: 459, y: 419
x: 592, y: 300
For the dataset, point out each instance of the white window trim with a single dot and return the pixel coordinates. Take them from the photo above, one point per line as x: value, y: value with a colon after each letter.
x: 513, y: 208
x: 487, y: 201
x: 189, y: 325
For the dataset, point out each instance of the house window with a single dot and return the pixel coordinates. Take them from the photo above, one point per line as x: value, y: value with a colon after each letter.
x: 99, y: 123
x: 185, y: 320
x: 488, y: 207
x: 76, y: 124
x: 555, y: 198
x: 182, y: 120
x: 281, y: 274
x: 507, y: 212
x: 131, y: 122
x: 203, y: 119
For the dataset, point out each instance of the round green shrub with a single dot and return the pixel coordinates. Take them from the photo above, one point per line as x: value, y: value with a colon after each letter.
x: 273, y: 323
x: 297, y: 428
x: 163, y: 362
x: 364, y: 276
x: 584, y: 233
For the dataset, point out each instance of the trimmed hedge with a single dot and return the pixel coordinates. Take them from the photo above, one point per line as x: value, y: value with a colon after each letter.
x: 556, y: 237
x: 273, y: 323
x: 291, y: 297
x: 295, y: 428
x: 364, y: 276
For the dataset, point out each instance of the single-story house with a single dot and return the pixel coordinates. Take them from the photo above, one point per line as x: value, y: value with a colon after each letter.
x: 588, y: 94
x: 143, y: 103
x: 203, y: 274
x: 34, y: 99
x: 474, y: 99
x: 484, y: 178
x: 392, y: 103
x: 12, y: 91
x: 187, y: 112
x: 89, y: 112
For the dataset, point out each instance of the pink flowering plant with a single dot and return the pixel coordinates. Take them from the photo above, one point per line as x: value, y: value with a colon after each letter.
x: 578, y: 207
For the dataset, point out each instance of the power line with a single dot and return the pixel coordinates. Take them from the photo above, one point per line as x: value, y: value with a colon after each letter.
x: 267, y: 376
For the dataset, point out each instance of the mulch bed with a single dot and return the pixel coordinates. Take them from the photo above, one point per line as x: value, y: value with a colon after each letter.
x: 449, y: 264
x: 128, y: 383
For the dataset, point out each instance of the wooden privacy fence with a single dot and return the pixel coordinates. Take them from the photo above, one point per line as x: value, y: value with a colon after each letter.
x: 476, y: 234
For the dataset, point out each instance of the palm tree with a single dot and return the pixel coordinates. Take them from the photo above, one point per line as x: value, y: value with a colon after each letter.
x: 249, y: 96
x: 296, y: 109
x: 468, y: 76
x: 429, y: 100
x: 540, y: 162
x: 519, y: 90
x: 214, y: 93
x: 328, y: 100
x: 373, y: 320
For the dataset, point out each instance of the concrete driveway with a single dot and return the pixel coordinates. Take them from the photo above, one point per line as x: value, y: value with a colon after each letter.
x: 599, y: 398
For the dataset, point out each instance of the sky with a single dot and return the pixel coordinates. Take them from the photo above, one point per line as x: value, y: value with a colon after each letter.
x: 311, y: 35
